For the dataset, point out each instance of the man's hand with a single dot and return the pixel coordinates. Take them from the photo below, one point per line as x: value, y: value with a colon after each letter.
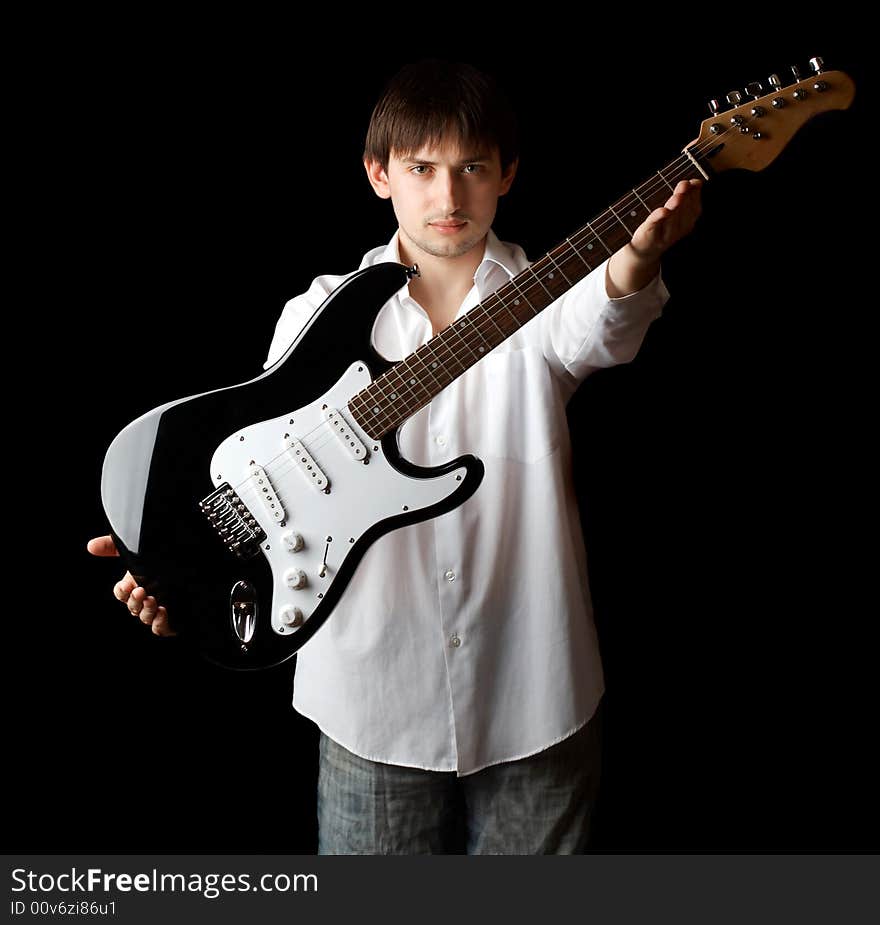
x: 637, y: 263
x: 671, y: 222
x: 137, y: 600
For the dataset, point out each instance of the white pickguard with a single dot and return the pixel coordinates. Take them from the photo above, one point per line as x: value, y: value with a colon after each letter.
x: 360, y: 493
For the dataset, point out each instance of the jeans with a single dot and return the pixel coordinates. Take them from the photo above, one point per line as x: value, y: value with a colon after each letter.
x: 541, y: 804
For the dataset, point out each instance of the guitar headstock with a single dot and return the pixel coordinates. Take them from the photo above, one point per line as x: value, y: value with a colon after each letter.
x: 759, y: 125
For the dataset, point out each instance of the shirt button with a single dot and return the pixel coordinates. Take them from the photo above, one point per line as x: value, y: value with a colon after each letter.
x: 454, y: 641
x: 441, y: 440
x: 450, y: 575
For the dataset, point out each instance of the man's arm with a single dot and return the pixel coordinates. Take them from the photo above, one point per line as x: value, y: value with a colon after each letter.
x: 637, y: 263
x: 602, y: 320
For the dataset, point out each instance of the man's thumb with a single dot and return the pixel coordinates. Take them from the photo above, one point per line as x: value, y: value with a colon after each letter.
x: 102, y: 546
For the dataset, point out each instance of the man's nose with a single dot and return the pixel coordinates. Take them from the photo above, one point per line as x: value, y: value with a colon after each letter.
x: 448, y: 191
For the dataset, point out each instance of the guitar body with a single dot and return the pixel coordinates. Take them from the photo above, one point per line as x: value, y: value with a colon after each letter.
x: 246, y: 510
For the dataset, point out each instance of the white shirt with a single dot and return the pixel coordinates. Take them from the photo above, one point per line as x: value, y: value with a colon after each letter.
x: 468, y: 639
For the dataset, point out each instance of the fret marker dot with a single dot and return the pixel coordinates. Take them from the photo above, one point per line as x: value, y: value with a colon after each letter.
x: 412, y: 381
x: 482, y: 349
x: 394, y: 394
x: 549, y: 276
x: 516, y: 301
x: 434, y: 364
x: 461, y: 325
x: 376, y: 410
x: 589, y: 247
x: 633, y: 212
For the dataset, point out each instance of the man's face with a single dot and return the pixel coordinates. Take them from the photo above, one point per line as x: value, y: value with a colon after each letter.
x: 445, y: 198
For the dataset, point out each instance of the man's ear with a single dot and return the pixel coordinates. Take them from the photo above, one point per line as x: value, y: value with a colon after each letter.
x: 378, y: 178
x: 507, y: 177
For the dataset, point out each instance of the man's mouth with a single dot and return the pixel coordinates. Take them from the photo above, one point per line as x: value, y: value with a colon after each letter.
x: 448, y: 227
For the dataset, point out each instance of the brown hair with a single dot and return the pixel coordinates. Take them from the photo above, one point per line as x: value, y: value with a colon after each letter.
x: 430, y: 99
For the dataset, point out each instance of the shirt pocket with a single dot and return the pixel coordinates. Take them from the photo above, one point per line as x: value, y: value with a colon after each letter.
x: 523, y: 415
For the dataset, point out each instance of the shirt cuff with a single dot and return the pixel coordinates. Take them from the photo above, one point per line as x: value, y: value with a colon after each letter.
x: 652, y: 287
x: 585, y: 329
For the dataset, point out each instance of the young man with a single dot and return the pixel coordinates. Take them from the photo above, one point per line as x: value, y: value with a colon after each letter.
x: 457, y: 683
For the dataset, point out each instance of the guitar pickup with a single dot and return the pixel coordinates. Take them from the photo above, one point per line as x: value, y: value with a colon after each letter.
x: 304, y: 462
x: 266, y: 493
x: 345, y: 433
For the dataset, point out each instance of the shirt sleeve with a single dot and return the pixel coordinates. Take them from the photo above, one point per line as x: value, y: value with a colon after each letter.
x: 296, y: 315
x: 584, y: 330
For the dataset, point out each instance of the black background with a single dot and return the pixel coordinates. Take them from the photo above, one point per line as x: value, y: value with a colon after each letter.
x: 188, y: 188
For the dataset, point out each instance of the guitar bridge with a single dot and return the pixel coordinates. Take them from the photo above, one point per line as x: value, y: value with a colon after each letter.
x: 232, y: 520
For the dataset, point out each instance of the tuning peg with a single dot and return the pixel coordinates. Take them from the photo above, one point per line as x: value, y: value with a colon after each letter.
x: 734, y: 97
x: 817, y: 65
x: 796, y: 71
x: 775, y: 82
x: 754, y: 89
x: 714, y: 107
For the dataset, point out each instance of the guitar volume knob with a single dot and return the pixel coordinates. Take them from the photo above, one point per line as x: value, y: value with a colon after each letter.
x: 293, y: 541
x: 291, y: 616
x: 295, y: 579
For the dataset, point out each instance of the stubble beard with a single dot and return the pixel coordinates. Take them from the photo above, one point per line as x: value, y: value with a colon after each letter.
x: 452, y: 248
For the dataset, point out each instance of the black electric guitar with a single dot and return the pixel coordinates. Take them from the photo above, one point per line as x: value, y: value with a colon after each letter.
x: 246, y: 510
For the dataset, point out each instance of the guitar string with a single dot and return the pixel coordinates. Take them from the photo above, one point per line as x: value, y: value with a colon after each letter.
x: 671, y: 176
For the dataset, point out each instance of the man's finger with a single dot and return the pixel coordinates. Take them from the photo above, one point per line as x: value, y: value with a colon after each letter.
x: 148, y: 611
x: 102, y: 546
x: 123, y: 588
x: 160, y: 624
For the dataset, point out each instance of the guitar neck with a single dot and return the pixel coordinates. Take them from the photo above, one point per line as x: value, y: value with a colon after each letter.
x: 413, y: 382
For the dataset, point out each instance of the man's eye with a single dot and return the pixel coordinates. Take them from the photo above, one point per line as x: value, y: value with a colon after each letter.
x: 477, y: 168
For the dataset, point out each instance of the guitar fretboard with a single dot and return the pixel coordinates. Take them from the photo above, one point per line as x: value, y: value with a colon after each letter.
x: 411, y: 383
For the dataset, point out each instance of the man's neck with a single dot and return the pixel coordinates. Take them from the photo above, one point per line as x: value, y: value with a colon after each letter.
x: 443, y: 282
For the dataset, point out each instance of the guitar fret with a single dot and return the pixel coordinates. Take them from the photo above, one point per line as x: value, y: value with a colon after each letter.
x: 462, y: 338
x: 508, y: 309
x: 555, y: 264
x: 522, y: 295
x: 611, y: 210
x: 402, y: 384
x: 437, y: 365
x: 489, y: 316
x: 600, y: 240
x: 433, y: 366
x: 660, y: 174
x: 442, y: 352
x: 476, y: 327
x: 577, y: 251
x: 411, y: 381
x: 538, y: 278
